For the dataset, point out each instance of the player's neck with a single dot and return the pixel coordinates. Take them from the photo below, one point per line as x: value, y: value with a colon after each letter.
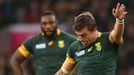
x: 95, y: 36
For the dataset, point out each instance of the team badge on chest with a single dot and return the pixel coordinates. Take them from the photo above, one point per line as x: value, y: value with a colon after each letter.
x: 90, y: 49
x: 50, y: 43
x: 98, y: 46
x: 61, y: 43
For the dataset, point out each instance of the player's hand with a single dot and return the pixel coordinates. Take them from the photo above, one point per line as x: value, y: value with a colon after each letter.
x: 120, y: 11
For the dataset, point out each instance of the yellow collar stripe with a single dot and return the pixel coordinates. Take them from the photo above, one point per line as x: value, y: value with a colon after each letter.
x: 99, y: 34
x: 58, y: 31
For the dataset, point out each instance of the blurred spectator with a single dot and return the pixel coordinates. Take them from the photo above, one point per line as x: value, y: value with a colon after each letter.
x: 2, y: 66
x: 45, y: 5
x: 130, y: 70
x: 20, y: 15
x: 32, y: 15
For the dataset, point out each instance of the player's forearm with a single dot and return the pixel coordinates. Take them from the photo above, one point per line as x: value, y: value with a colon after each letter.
x: 120, y: 14
x: 60, y: 72
x: 118, y: 29
x: 16, y: 67
x: 65, y: 71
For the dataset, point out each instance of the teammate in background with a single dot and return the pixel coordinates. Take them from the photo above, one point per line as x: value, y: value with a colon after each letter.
x: 95, y: 53
x: 48, y: 47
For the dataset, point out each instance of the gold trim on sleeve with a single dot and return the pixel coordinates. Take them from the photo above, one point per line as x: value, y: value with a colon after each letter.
x: 69, y: 59
x: 23, y: 51
x: 110, y: 39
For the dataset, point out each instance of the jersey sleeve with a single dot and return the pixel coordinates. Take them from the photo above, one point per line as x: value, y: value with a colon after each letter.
x: 106, y: 34
x: 26, y: 47
x: 70, y: 55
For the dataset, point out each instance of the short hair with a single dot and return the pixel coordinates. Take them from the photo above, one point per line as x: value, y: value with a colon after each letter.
x: 84, y: 20
x: 48, y: 12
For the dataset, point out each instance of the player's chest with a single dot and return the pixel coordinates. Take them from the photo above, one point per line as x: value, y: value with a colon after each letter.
x: 44, y: 47
x: 92, y: 52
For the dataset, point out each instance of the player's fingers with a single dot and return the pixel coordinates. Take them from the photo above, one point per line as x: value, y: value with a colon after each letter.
x: 123, y: 7
x: 125, y: 13
x: 118, y: 6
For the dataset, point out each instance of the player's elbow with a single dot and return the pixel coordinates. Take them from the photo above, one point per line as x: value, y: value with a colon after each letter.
x: 120, y: 41
x: 13, y: 61
x: 117, y: 40
x: 116, y: 37
x: 17, y: 58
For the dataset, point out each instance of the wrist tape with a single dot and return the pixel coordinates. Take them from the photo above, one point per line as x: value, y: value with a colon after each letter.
x: 119, y: 21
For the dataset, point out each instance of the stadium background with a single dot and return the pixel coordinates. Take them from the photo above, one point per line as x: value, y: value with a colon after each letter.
x: 20, y: 19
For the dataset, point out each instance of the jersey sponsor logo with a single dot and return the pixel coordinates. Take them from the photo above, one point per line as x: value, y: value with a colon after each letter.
x: 80, y: 53
x: 61, y: 43
x: 40, y: 46
x: 50, y: 43
x: 90, y: 49
x: 98, y: 46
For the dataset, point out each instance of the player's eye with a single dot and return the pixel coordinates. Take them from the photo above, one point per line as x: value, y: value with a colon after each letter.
x: 49, y: 22
x: 84, y: 35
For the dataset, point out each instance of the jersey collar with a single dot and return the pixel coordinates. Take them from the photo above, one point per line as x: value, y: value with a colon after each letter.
x: 99, y: 34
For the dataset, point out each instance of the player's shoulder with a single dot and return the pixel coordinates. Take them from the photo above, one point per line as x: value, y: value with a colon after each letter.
x: 34, y: 37
x: 105, y: 34
x: 30, y: 41
x: 105, y: 37
x: 75, y: 44
x: 73, y: 48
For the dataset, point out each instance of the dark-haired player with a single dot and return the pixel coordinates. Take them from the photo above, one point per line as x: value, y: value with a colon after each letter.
x: 95, y: 53
x: 48, y: 47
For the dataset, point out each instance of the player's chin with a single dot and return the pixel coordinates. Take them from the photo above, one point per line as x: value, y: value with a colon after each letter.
x: 84, y: 43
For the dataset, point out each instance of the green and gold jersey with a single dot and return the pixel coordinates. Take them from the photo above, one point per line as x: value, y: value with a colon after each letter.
x: 99, y: 58
x: 49, y: 54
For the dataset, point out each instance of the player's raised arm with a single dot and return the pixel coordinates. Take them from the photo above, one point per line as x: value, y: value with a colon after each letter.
x: 116, y: 34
